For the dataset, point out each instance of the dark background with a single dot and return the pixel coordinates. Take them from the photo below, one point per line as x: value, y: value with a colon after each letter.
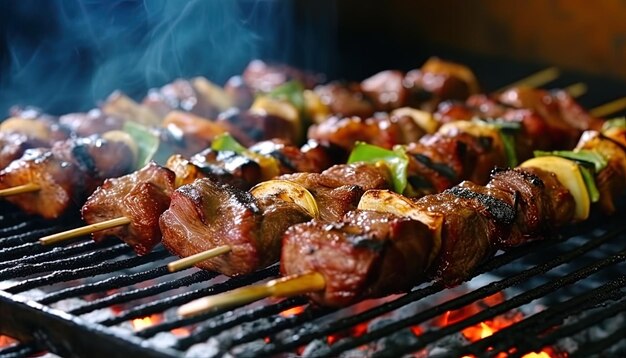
x: 66, y: 55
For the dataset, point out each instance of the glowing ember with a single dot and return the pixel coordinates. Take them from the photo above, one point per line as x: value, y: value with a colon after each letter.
x: 145, y: 322
x: 417, y: 330
x: 294, y: 311
x: 6, y: 341
x: 181, y: 332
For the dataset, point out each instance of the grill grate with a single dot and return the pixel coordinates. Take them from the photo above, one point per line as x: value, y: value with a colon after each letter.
x: 64, y: 274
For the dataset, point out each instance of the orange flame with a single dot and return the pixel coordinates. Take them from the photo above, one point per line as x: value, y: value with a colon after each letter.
x: 293, y: 311
x: 145, y: 322
x: 6, y: 341
x: 181, y: 331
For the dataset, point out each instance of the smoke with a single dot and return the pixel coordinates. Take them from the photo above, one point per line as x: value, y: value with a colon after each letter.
x: 66, y: 55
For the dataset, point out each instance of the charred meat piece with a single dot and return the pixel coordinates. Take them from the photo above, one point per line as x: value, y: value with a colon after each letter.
x: 264, y: 77
x: 312, y: 158
x: 205, y: 214
x: 382, y: 130
x: 249, y: 128
x: 228, y: 167
x: 386, y: 90
x: 65, y: 174
x: 543, y: 203
x: 13, y: 146
x: 141, y: 197
x: 468, y: 236
x: 92, y: 122
x: 345, y: 100
x: 367, y: 254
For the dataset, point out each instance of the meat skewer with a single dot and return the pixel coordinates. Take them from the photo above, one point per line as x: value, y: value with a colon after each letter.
x: 214, y: 249
x: 392, y: 242
x: 176, y: 216
x: 129, y: 207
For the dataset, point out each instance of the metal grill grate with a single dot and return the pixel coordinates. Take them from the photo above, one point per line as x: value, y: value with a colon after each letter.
x: 593, y: 255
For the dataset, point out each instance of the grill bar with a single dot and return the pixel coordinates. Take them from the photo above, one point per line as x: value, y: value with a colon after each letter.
x: 160, y: 305
x: 580, y: 325
x: 482, y: 292
x: 599, y: 345
x: 56, y: 253
x: 28, y: 269
x: 123, y: 297
x: 102, y: 268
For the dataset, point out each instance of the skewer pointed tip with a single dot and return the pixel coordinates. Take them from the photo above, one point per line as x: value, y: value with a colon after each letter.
x: 282, y: 287
x: 190, y: 261
x: 70, y: 234
x: 19, y: 189
x: 610, y: 108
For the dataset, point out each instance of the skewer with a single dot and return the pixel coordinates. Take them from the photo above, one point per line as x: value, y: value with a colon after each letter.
x: 66, y: 235
x: 609, y: 108
x: 20, y: 189
x: 190, y: 261
x: 281, y: 287
x: 535, y: 80
x: 576, y: 90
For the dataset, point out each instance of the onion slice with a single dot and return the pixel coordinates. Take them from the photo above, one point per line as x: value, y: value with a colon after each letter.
x: 288, y: 191
x: 569, y: 175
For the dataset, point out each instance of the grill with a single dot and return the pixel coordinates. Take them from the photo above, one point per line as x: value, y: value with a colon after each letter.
x: 578, y: 271
x: 82, y: 299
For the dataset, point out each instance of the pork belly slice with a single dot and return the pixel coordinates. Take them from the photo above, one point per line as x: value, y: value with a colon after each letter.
x: 207, y: 214
x: 368, y: 254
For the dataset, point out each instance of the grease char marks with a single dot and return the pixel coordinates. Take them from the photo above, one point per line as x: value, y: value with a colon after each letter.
x: 367, y: 254
x: 228, y: 167
x: 206, y: 214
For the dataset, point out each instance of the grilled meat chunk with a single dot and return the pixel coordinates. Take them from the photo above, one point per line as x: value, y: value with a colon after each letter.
x: 13, y: 146
x: 345, y: 99
x: 206, y: 214
x: 142, y: 197
x: 92, y: 122
x: 65, y: 174
x: 367, y: 254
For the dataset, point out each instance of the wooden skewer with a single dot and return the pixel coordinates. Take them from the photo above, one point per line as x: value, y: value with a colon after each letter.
x: 609, y: 108
x: 66, y: 235
x: 535, y: 80
x: 20, y: 189
x: 576, y: 90
x: 281, y: 287
x: 197, y: 258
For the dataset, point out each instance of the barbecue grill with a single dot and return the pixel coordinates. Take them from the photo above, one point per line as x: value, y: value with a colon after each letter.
x: 566, y: 293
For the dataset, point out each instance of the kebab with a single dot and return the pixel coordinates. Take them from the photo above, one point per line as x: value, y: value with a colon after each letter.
x: 189, y: 227
x: 129, y: 207
x: 287, y: 191
x: 391, y: 243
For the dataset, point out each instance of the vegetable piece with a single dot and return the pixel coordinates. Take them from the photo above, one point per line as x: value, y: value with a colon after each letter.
x: 147, y: 142
x: 590, y: 183
x: 288, y: 191
x: 619, y: 123
x: 292, y: 92
x: 584, y: 156
x: 265, y: 105
x: 29, y: 126
x: 212, y: 93
x: 396, y: 161
x: 226, y: 142
x: 314, y: 107
x: 393, y: 203
x: 423, y: 119
x: 569, y: 175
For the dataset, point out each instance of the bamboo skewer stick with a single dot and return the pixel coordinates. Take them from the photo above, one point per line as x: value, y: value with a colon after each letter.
x: 66, y: 235
x: 20, y: 189
x: 535, y: 80
x: 609, y: 108
x: 281, y: 287
x: 576, y: 90
x: 190, y: 261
